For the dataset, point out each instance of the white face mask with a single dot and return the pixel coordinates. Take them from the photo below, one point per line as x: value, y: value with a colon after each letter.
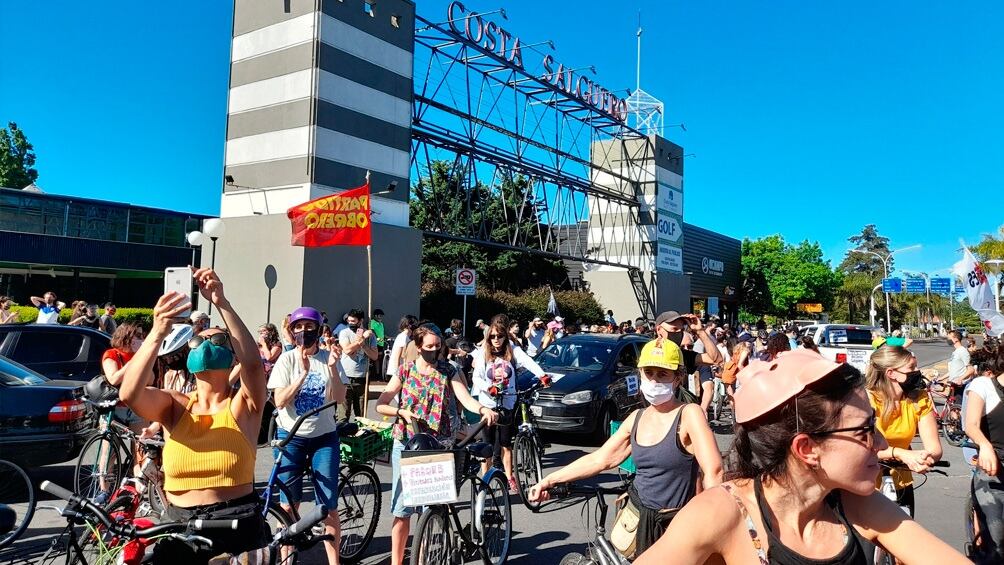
x: 656, y: 393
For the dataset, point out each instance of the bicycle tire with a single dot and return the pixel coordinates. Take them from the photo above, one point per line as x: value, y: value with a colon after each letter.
x: 17, y: 499
x: 495, y: 520
x: 277, y: 519
x: 527, y: 467
x: 432, y: 544
x: 951, y: 425
x: 89, y: 466
x: 359, y: 506
x: 88, y: 550
x: 280, y: 487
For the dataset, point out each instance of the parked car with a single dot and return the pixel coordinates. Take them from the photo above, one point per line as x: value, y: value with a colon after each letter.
x: 56, y: 351
x: 843, y: 343
x: 42, y: 421
x: 595, y: 382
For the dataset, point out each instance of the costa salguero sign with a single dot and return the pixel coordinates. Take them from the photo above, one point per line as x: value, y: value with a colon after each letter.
x: 492, y: 37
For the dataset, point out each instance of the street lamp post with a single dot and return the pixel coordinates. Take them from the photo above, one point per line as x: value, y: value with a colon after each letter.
x: 214, y: 229
x: 871, y: 311
x: 885, y: 265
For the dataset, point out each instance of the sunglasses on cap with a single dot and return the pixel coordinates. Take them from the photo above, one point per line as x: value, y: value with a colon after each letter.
x: 217, y: 339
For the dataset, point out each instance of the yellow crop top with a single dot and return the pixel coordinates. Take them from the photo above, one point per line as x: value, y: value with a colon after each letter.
x: 207, y: 451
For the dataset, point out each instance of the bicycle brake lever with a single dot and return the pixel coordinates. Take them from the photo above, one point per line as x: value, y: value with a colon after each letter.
x: 193, y: 540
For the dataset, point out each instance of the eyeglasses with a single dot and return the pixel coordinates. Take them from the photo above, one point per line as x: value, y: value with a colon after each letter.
x: 217, y: 339
x: 496, y: 336
x: 868, y: 428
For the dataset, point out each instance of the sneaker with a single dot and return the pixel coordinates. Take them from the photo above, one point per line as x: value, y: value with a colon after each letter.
x: 513, y: 487
x: 102, y: 498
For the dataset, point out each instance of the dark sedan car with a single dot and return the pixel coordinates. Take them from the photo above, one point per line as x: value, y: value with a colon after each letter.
x: 595, y: 383
x: 56, y: 351
x: 42, y: 421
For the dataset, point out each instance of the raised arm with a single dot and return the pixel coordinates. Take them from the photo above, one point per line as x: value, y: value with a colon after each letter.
x: 152, y: 403
x: 37, y: 301
x: 253, y: 392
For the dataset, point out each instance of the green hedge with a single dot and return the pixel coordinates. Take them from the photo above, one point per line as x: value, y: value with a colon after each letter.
x: 440, y: 304
x: 142, y: 316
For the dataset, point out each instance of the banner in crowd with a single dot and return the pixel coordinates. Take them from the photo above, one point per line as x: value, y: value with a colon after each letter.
x: 979, y: 292
x: 335, y: 219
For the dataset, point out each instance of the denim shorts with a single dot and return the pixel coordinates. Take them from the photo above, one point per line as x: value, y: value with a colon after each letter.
x: 397, y: 507
x: 325, y: 458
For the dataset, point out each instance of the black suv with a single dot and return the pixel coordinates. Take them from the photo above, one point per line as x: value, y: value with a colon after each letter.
x: 595, y: 383
x: 56, y: 351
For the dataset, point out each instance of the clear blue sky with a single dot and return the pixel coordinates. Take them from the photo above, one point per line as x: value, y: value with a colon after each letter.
x: 807, y: 118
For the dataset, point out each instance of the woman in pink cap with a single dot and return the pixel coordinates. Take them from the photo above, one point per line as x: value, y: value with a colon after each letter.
x: 802, y: 487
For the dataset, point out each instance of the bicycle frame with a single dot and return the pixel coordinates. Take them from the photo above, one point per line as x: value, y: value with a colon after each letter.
x: 606, y: 553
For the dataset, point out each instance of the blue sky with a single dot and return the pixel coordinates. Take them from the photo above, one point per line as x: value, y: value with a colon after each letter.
x: 807, y: 118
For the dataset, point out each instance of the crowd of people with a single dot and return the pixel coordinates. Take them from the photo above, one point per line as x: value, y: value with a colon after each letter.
x: 83, y: 313
x: 813, y: 437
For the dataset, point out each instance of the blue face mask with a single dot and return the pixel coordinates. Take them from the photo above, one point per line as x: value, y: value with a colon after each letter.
x: 209, y: 357
x: 793, y: 343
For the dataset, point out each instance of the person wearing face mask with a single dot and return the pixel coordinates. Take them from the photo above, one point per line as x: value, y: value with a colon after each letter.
x: 670, y: 442
x: 172, y: 360
x: 303, y: 379
x: 903, y: 409
x: 359, y: 348
x: 126, y: 340
x: 429, y: 393
x: 681, y: 329
x: 48, y: 308
x: 209, y: 455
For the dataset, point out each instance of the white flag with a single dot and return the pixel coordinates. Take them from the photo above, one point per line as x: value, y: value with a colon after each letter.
x: 979, y: 292
x: 552, y: 305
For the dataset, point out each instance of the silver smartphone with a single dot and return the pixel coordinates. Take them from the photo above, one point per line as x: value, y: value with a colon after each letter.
x: 179, y: 279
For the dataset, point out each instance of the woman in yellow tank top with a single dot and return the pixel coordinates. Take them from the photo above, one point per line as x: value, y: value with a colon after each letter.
x: 211, y: 433
x: 902, y: 410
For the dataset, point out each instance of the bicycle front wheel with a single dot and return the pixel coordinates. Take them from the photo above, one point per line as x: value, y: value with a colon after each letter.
x: 527, y: 468
x: 17, y: 502
x: 951, y: 425
x: 359, y: 500
x: 494, y: 519
x: 433, y: 543
x: 99, y: 468
x: 278, y: 520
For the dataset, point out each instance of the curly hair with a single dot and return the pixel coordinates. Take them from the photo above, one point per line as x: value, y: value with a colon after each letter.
x: 777, y: 344
x: 124, y: 334
x: 271, y: 334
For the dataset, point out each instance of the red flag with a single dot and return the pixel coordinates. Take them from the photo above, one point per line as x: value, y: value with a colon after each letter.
x: 336, y: 219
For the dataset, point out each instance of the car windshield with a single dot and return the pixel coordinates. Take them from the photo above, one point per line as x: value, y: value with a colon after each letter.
x: 15, y: 374
x: 849, y: 336
x: 579, y: 354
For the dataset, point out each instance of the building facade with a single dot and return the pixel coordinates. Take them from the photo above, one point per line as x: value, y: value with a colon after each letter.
x: 712, y: 262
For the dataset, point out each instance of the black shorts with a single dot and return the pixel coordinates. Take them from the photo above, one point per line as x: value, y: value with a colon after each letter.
x: 252, y: 531
x: 502, y: 433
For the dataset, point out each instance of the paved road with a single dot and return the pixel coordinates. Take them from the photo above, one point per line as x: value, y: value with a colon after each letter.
x: 558, y: 529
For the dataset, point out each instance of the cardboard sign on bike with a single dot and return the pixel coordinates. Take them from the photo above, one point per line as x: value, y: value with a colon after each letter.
x: 428, y: 479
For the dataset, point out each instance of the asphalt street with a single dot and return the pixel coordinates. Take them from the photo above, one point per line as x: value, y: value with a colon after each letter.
x: 560, y: 528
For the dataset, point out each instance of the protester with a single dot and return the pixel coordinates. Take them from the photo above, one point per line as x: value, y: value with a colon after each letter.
x: 108, y: 323
x: 359, y: 347
x: 609, y: 318
x: 376, y: 324
x: 429, y: 392
x: 960, y: 370
x: 200, y: 321
x: 549, y: 337
x: 807, y: 342
x: 669, y: 441
x: 127, y: 340
x: 89, y: 319
x: 209, y: 456
x: 903, y: 410
x: 776, y: 345
x: 984, y: 424
x: 534, y: 336
x: 304, y: 379
x: 395, y: 359
x: 8, y: 316
x: 269, y: 347
x: 48, y: 308
x: 802, y: 488
x: 172, y: 360
x: 515, y: 335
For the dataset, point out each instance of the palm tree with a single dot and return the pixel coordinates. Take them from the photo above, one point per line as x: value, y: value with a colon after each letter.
x: 991, y: 246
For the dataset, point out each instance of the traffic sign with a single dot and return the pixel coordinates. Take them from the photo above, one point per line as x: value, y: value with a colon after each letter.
x: 466, y: 282
x: 916, y: 286
x: 941, y: 285
x: 892, y: 285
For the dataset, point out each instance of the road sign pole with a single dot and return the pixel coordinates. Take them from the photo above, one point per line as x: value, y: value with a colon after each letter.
x: 465, y: 315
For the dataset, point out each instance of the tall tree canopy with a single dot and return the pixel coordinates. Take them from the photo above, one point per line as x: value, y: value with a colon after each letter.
x: 777, y: 276
x: 17, y: 158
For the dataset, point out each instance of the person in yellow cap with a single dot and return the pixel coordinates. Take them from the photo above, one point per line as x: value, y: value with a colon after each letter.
x: 670, y: 442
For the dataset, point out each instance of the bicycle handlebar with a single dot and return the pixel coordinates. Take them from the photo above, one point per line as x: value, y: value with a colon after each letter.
x: 299, y: 421
x: 564, y: 490
x: 462, y: 443
x: 304, y: 524
x: 900, y: 465
x: 128, y: 530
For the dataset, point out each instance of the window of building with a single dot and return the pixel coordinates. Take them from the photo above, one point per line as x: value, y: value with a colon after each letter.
x: 30, y: 214
x: 93, y: 221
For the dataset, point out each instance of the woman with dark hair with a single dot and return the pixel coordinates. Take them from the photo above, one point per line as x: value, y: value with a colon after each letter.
x: 776, y: 345
x: 807, y: 342
x: 428, y: 392
x: 126, y: 340
x: 7, y: 316
x: 269, y: 346
x: 984, y: 418
x: 802, y: 489
x: 88, y: 319
x: 396, y: 357
x: 903, y: 410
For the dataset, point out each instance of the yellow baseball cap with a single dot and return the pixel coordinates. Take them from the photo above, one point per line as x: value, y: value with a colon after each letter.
x: 660, y: 353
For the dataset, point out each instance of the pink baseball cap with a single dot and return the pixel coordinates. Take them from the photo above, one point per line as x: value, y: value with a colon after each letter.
x: 765, y: 385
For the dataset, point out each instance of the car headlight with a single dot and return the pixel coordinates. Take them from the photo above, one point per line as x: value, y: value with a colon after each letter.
x: 580, y: 397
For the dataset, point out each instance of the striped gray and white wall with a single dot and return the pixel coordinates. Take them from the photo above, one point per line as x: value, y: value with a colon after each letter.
x: 320, y: 92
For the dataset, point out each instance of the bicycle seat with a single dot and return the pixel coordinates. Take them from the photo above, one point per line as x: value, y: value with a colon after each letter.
x: 480, y: 449
x: 346, y: 429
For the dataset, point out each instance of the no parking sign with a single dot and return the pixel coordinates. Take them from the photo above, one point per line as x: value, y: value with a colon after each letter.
x: 466, y: 281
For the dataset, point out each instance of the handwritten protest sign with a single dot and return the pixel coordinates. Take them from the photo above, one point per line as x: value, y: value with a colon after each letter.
x: 428, y: 479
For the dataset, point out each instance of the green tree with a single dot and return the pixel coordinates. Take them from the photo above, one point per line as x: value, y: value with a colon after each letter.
x: 17, y: 158
x: 777, y: 276
x: 861, y: 272
x: 858, y: 262
x: 444, y: 202
x: 991, y: 246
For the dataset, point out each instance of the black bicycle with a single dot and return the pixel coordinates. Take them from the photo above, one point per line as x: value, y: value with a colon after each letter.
x: 528, y: 447
x: 601, y: 551
x: 443, y: 536
x: 17, y: 502
x: 359, y: 495
x: 882, y: 557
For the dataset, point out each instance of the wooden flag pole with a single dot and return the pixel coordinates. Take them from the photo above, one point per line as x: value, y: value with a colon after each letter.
x: 369, y: 312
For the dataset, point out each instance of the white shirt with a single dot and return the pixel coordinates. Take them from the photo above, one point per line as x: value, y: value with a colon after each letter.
x: 957, y: 364
x: 534, y: 337
x: 48, y: 314
x: 984, y: 387
x: 486, y: 374
x: 355, y: 365
x: 396, y: 350
x: 313, y: 393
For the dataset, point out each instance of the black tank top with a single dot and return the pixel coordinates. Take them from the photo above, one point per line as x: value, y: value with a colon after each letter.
x: 992, y: 424
x: 666, y: 475
x: 853, y: 552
